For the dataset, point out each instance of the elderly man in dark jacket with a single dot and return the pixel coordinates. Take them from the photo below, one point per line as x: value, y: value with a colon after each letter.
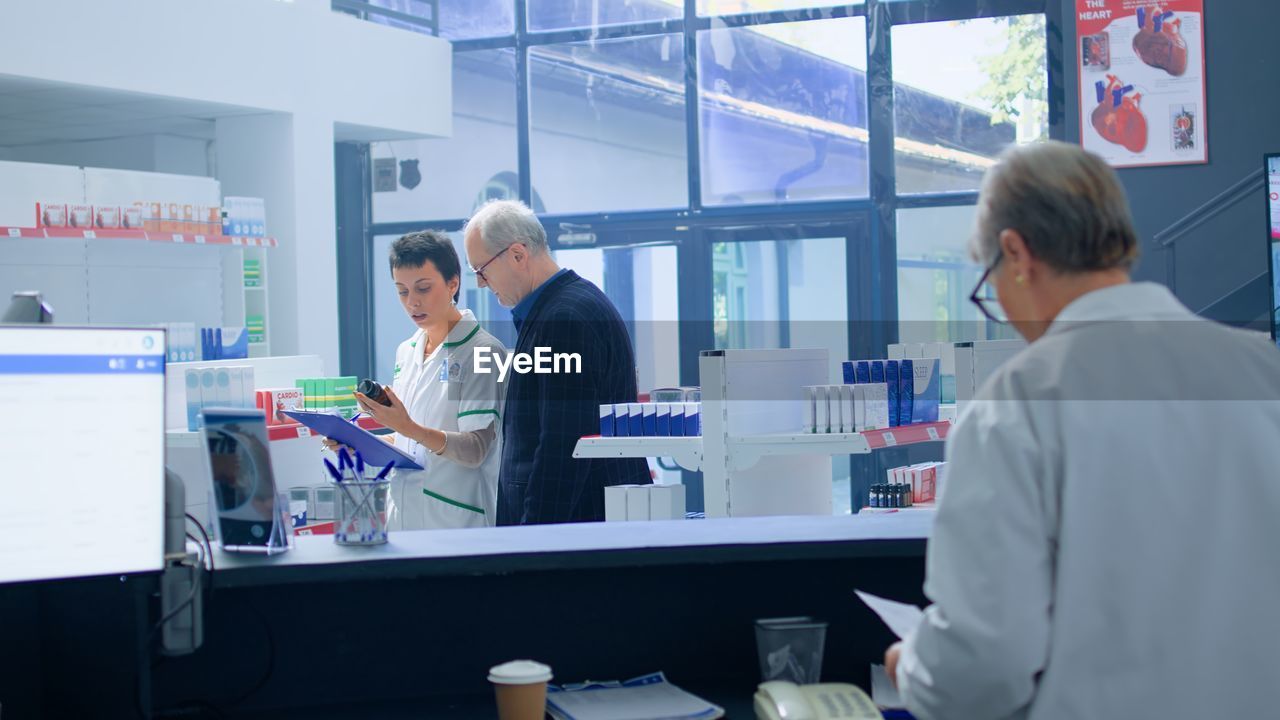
x: 564, y: 315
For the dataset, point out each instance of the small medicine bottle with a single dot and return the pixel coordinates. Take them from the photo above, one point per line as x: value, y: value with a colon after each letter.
x: 373, y: 391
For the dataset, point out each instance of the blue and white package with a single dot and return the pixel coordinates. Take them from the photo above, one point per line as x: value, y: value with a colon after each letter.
x: 864, y: 372
x: 663, y: 423
x: 677, y: 419
x: 906, y: 390
x: 193, y: 399
x: 927, y: 390
x: 621, y: 425
x: 635, y: 419
x: 649, y: 418
x: 606, y: 420
x: 692, y: 419
x: 847, y: 369
x: 891, y: 381
x: 877, y: 371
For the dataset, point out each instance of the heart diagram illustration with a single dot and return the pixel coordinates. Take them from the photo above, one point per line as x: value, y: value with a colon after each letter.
x: 1118, y: 117
x: 1159, y: 41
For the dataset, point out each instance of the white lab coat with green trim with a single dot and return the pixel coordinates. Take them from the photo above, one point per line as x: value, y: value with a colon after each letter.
x: 441, y: 391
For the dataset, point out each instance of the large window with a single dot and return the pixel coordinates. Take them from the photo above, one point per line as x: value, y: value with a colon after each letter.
x: 695, y: 158
x: 955, y: 110
x: 783, y: 112
x: 606, y: 121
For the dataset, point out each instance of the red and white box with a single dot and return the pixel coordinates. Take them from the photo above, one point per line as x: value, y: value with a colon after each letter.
x: 80, y: 216
x: 274, y: 401
x: 132, y: 218
x: 51, y: 215
x: 106, y: 217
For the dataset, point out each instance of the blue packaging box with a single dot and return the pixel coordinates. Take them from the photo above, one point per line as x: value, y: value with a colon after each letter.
x: 847, y: 369
x: 606, y: 420
x: 677, y: 419
x: 906, y: 390
x: 877, y: 371
x: 693, y: 419
x: 864, y: 372
x: 621, y: 423
x: 635, y: 419
x: 891, y: 381
x: 649, y: 419
x: 926, y: 390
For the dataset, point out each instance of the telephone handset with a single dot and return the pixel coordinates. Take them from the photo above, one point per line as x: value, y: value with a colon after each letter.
x: 779, y: 700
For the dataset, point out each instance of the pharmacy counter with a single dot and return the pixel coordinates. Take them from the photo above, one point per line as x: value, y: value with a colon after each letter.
x: 425, y: 553
x: 410, y: 628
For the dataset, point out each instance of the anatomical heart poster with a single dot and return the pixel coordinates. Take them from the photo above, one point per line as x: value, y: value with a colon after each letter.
x: 1142, y: 99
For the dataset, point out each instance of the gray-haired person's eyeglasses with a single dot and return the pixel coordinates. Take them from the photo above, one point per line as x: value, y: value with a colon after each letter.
x: 985, y: 298
x: 479, y: 272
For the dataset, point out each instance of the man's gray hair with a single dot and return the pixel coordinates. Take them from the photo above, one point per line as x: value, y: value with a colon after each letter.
x: 502, y: 223
x: 1066, y: 203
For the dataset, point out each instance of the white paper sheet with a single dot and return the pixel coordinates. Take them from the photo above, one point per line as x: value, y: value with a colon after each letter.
x: 901, y: 618
x: 883, y: 692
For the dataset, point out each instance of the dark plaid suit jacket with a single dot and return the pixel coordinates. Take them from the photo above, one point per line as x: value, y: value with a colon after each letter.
x: 540, y: 481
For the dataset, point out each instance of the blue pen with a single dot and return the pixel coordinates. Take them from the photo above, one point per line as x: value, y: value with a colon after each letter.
x: 359, y: 466
x: 386, y: 470
x: 344, y: 461
x: 356, y: 417
x: 337, y: 476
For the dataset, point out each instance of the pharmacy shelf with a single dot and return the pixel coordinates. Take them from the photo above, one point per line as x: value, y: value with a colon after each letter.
x: 686, y: 451
x: 907, y: 434
x: 292, y: 431
x: 746, y: 450
x: 117, y: 234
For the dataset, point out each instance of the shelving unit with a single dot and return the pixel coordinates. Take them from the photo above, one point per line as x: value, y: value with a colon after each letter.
x: 105, y: 234
x: 752, y: 463
x: 744, y: 451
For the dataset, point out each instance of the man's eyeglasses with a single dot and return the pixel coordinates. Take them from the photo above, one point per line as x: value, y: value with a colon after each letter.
x: 479, y: 272
x: 984, y: 297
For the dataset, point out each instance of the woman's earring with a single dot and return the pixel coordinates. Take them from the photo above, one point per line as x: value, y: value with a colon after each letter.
x: 1019, y: 279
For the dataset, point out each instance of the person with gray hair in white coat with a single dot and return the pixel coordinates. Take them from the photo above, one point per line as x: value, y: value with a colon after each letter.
x: 1105, y: 543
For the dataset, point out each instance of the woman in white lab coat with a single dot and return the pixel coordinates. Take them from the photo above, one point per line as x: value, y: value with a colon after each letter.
x: 443, y: 413
x: 1104, y: 543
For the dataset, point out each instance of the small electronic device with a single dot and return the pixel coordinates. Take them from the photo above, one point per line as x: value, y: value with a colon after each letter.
x: 251, y: 514
x: 779, y: 700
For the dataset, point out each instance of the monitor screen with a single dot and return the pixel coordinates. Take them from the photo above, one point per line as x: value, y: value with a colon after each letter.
x: 1273, y: 239
x: 82, y: 485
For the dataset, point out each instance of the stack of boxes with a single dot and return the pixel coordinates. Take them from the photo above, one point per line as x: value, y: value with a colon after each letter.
x: 244, y: 217
x: 224, y: 343
x: 222, y: 386
x: 845, y: 408
x: 274, y: 401
x: 644, y: 502
x: 923, y: 479
x: 912, y: 386
x: 335, y: 394
x: 179, y: 342
x: 151, y: 216
x: 663, y: 419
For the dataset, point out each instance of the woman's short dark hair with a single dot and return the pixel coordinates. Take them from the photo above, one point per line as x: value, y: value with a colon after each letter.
x: 418, y: 248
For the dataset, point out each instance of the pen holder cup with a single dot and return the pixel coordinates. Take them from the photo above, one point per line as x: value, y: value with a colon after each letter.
x: 360, y: 511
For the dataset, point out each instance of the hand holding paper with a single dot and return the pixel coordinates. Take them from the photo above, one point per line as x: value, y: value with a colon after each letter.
x: 901, y: 618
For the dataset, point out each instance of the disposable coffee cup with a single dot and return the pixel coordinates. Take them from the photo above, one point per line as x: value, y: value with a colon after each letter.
x: 521, y: 689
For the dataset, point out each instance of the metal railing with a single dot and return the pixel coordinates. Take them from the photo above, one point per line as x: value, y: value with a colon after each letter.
x: 1168, y: 238
x: 428, y: 22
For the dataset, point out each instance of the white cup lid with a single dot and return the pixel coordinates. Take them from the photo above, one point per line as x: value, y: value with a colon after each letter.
x: 519, y: 672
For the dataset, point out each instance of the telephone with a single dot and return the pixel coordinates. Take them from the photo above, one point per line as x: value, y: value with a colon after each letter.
x: 779, y: 700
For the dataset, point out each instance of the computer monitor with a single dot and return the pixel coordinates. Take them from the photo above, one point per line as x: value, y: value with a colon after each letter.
x: 1271, y: 166
x: 82, y: 475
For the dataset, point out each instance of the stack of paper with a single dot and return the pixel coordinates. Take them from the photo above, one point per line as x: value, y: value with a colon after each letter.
x: 649, y: 697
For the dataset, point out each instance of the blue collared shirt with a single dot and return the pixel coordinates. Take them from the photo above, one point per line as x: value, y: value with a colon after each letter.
x: 525, y: 306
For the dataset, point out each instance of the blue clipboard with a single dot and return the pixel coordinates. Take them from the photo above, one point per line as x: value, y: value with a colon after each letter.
x: 372, y: 448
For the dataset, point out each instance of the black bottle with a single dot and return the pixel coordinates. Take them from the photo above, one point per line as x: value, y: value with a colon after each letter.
x: 373, y: 391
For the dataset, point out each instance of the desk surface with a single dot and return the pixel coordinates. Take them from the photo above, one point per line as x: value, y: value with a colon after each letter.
x: 483, y: 551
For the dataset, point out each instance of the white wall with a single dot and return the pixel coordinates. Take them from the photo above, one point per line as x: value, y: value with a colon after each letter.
x: 150, y: 153
x: 310, y: 71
